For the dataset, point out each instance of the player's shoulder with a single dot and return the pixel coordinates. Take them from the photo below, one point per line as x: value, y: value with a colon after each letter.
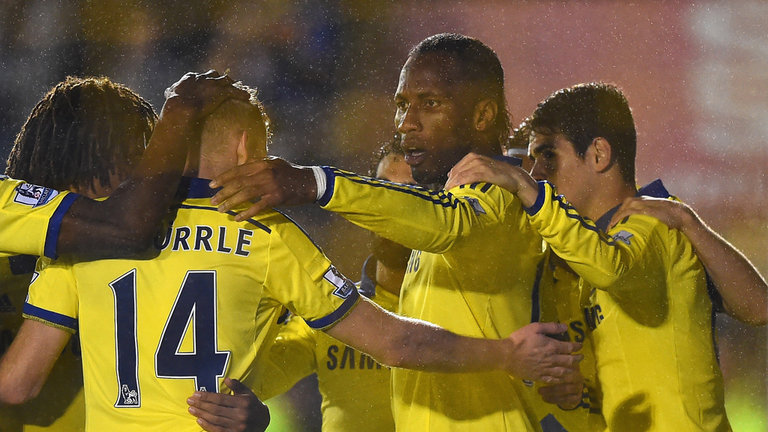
x: 488, y: 198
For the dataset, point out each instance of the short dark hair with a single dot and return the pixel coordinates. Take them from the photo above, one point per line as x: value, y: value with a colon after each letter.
x: 584, y: 112
x: 83, y: 130
x: 478, y: 65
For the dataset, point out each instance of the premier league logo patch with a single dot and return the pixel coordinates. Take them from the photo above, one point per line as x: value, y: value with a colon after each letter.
x: 33, y: 195
x: 475, y: 205
x: 623, y: 237
x: 344, y: 286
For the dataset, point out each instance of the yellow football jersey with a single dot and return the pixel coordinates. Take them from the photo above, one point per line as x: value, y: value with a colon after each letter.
x: 30, y: 217
x: 472, y: 271
x: 557, y: 299
x: 59, y: 406
x: 154, y: 331
x: 355, y: 389
x: 651, y: 317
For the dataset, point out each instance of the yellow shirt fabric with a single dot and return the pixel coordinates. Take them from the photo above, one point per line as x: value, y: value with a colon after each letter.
x: 30, y: 217
x: 154, y: 331
x: 60, y: 406
x: 652, y: 319
x: 472, y: 271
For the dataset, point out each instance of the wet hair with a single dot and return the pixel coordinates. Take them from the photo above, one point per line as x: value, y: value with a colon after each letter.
x: 386, y: 149
x: 584, y: 112
x: 83, y: 130
x: 249, y: 116
x: 479, y: 65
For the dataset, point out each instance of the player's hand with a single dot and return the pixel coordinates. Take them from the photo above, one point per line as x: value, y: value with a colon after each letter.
x: 196, y: 95
x: 474, y: 168
x: 265, y: 183
x: 567, y: 395
x: 535, y: 355
x: 240, y: 411
x: 674, y: 214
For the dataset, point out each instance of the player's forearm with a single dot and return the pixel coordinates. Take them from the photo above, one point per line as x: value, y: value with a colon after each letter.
x: 743, y: 289
x: 413, y: 217
x: 590, y: 252
x: 127, y: 221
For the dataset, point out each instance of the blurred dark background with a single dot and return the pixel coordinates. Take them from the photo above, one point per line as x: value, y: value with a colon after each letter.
x: 695, y: 75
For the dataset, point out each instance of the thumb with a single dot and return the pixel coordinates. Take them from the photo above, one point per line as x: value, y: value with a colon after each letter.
x: 236, y: 386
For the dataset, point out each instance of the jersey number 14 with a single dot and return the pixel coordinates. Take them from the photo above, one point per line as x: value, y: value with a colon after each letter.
x: 195, y: 304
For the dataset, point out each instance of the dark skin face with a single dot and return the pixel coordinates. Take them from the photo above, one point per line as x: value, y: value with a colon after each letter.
x: 434, y: 116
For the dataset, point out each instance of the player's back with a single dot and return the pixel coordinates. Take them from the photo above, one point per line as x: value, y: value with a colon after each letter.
x: 154, y: 331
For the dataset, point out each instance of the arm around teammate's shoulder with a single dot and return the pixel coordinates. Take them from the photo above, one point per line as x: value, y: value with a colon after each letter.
x: 743, y: 289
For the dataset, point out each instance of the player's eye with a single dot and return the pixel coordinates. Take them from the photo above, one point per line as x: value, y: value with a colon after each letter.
x: 401, y: 105
x: 431, y: 103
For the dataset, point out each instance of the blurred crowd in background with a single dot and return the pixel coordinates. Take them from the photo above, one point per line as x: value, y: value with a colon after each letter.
x: 694, y: 73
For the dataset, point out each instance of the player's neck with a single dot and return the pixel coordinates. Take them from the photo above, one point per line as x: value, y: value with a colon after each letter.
x: 612, y: 193
x: 389, y: 279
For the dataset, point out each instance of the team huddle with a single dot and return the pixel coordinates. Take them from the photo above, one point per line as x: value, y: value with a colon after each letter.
x: 542, y: 293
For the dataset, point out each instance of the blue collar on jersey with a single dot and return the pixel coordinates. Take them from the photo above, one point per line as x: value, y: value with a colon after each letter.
x: 367, y: 285
x: 192, y: 187
x: 655, y: 189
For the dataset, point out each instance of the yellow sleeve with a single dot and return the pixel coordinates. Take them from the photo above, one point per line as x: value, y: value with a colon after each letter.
x: 598, y: 257
x: 418, y: 218
x: 30, y: 217
x: 302, y: 278
x: 52, y: 297
x: 291, y: 358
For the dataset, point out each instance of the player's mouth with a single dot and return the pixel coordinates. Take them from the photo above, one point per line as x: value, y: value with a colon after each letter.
x: 414, y: 157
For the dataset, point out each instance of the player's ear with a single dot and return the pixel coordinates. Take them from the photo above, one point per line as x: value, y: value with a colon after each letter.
x: 600, y: 154
x: 242, y: 149
x: 484, y: 115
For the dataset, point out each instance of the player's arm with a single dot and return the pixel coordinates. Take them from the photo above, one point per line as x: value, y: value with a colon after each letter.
x: 594, y: 255
x: 28, y: 361
x: 529, y: 353
x: 743, y: 289
x: 127, y: 221
x: 219, y: 412
x: 433, y: 220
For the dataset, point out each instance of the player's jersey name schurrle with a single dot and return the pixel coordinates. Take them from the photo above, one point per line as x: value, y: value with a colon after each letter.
x: 219, y: 239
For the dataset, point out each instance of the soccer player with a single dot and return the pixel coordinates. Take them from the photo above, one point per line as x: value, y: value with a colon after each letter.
x: 151, y: 330
x: 476, y: 260
x: 645, y: 288
x: 355, y: 389
x: 68, y: 143
x: 39, y: 221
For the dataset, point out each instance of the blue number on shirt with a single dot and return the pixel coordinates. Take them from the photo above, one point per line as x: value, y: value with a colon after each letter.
x: 195, y: 304
x: 124, y: 290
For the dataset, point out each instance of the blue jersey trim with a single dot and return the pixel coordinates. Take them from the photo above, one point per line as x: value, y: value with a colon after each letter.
x: 51, y: 317
x: 336, y: 315
x: 197, y: 187
x: 535, y: 292
x: 54, y: 226
x: 532, y: 210
x: 330, y: 183
x: 254, y: 222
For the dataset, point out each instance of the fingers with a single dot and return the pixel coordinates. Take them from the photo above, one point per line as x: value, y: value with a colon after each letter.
x: 567, y: 396
x: 549, y: 327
